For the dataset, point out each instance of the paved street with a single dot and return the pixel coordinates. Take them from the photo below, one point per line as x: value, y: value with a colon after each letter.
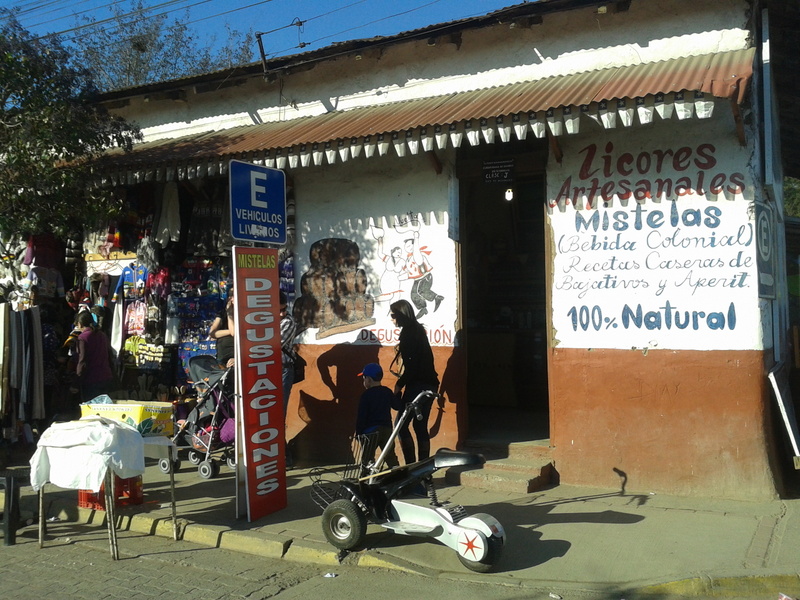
x: 76, y: 564
x: 562, y: 541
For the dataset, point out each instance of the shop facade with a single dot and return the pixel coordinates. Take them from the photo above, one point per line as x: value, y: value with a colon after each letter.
x: 575, y: 212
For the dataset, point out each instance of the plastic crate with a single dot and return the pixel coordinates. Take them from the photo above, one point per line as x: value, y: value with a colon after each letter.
x: 150, y: 418
x: 129, y: 491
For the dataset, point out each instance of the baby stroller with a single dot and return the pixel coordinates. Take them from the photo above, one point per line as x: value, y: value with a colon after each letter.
x: 209, y: 430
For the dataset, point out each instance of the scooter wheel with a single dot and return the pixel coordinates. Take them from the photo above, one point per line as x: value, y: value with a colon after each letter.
x: 343, y: 524
x: 494, y: 549
x: 208, y: 469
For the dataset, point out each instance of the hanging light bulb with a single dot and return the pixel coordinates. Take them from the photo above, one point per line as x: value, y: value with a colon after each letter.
x: 509, y: 194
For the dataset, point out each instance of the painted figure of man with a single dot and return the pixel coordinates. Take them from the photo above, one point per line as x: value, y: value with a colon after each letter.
x: 419, y: 271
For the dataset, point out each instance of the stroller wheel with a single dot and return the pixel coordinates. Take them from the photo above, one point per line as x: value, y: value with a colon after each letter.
x: 231, y: 460
x: 195, y: 457
x: 208, y: 469
x: 163, y: 465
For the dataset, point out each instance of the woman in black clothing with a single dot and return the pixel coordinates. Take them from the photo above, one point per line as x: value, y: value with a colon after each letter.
x: 417, y: 373
x: 222, y: 330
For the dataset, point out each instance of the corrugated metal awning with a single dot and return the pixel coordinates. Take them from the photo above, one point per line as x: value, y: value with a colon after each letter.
x: 682, y: 87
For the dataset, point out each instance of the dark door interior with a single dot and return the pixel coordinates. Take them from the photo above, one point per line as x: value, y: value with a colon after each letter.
x: 504, y: 296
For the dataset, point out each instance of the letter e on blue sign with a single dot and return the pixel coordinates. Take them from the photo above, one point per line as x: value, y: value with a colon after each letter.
x: 258, y: 203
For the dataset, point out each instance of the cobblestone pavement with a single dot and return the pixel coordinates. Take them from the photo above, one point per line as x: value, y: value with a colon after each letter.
x: 75, y: 564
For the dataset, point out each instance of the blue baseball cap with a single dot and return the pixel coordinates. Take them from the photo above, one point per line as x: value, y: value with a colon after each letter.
x: 373, y: 371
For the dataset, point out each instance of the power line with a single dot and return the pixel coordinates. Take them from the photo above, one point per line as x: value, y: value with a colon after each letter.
x: 74, y: 14
x: 233, y: 10
x: 117, y: 17
x: 111, y: 21
x: 280, y: 52
x: 109, y: 25
x: 400, y: 14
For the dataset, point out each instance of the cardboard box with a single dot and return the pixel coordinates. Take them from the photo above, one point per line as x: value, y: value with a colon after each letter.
x: 150, y: 418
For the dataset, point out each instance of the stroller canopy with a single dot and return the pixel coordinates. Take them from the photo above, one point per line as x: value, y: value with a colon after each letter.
x: 205, y: 367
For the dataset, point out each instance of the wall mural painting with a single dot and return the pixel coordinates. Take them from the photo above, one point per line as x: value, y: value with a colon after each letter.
x: 333, y: 292
x: 408, y: 261
x: 336, y: 297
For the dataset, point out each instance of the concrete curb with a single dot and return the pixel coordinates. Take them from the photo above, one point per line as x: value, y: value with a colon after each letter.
x: 252, y: 542
x: 725, y: 587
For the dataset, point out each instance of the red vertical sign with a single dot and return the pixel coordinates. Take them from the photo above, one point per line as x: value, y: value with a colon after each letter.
x: 259, y: 370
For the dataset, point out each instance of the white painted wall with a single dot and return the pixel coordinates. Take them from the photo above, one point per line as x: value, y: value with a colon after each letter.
x: 656, y: 274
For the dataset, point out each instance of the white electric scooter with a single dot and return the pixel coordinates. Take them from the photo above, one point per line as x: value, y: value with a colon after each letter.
x: 382, y: 497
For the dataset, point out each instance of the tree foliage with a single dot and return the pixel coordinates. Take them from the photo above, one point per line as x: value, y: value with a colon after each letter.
x: 791, y: 196
x: 140, y: 47
x: 51, y: 131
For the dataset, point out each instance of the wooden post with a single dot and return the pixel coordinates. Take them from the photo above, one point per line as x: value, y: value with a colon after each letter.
x: 42, y: 525
x: 111, y: 518
x: 172, y: 493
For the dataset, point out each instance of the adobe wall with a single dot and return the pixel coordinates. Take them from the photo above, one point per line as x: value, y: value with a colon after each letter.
x: 661, y: 323
x: 676, y: 422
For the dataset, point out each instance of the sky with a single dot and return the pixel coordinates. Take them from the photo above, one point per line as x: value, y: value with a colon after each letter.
x: 323, y: 21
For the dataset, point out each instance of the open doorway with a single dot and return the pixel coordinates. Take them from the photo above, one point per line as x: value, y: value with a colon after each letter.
x: 503, y: 294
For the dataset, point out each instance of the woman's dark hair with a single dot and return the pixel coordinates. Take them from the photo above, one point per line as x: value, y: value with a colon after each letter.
x: 403, y: 313
x: 85, y: 319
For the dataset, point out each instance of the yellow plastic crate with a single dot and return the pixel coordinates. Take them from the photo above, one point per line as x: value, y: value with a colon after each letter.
x: 150, y: 418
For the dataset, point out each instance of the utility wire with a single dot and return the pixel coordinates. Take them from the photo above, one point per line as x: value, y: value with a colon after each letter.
x: 110, y: 22
x: 400, y: 14
x: 68, y: 6
x: 115, y: 17
x: 284, y: 51
x: 227, y: 12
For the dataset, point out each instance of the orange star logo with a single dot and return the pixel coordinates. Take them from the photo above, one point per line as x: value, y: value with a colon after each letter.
x: 470, y: 545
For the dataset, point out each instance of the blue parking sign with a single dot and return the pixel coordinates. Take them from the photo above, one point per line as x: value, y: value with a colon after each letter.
x: 258, y: 203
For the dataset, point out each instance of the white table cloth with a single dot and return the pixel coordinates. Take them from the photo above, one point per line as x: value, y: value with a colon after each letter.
x: 77, y: 454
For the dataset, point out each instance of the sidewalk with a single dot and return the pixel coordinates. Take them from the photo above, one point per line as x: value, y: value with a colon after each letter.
x: 564, y: 538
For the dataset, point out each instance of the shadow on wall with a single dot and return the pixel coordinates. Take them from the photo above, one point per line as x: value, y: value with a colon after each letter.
x: 453, y: 386
x: 330, y: 421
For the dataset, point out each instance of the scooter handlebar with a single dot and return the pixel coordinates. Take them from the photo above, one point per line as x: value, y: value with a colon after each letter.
x: 423, y: 396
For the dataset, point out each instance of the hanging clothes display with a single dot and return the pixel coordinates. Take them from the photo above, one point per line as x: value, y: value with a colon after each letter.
x: 167, y: 224
x: 5, y: 338
x: 44, y: 250
x: 48, y: 282
x: 131, y: 283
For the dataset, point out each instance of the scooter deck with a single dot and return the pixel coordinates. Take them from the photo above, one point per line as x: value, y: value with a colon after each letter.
x: 404, y: 528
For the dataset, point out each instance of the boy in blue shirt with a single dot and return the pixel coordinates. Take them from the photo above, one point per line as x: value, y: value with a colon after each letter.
x: 375, y: 415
